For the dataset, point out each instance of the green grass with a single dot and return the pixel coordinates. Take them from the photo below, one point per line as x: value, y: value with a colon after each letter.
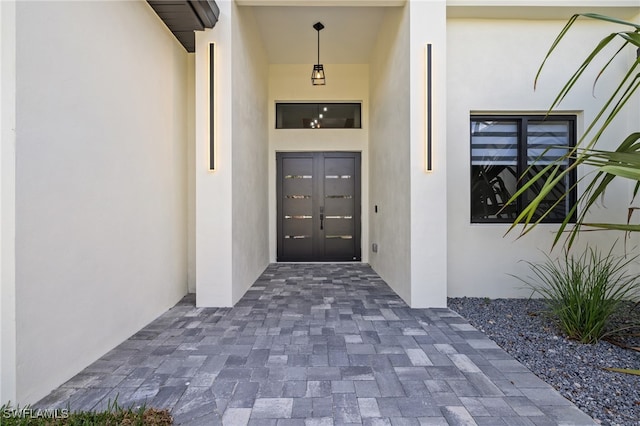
x: 114, y: 415
x: 584, y: 291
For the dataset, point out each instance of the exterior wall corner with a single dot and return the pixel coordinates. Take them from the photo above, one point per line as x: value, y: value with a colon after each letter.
x: 428, y: 23
x: 8, y: 337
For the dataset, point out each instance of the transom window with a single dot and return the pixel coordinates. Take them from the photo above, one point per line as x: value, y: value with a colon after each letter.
x: 306, y: 115
x: 503, y: 148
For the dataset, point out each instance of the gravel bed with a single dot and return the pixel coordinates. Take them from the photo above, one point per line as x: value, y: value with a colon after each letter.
x: 521, y: 328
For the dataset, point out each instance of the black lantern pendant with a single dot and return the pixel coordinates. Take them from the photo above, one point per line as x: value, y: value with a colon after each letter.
x: 317, y: 75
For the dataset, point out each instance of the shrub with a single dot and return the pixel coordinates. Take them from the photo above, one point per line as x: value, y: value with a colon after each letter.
x: 582, y: 292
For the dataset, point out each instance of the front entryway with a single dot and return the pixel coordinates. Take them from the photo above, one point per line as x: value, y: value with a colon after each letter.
x: 317, y: 344
x: 318, y: 206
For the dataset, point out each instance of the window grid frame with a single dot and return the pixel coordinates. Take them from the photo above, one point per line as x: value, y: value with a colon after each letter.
x: 522, y: 159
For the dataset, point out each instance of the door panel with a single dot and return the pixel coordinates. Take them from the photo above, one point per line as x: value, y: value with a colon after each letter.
x: 295, y: 231
x: 318, y: 206
x: 339, y: 206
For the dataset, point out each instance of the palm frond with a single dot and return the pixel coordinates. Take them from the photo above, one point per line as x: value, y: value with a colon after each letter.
x: 622, y: 163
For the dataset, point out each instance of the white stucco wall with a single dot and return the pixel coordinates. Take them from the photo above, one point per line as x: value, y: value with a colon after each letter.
x: 345, y: 83
x: 231, y: 203
x: 7, y: 202
x: 429, y: 191
x: 191, y: 173
x: 101, y: 216
x: 390, y: 154
x: 213, y: 210
x: 250, y: 146
x: 631, y: 115
x: 491, y: 68
x: 633, y: 125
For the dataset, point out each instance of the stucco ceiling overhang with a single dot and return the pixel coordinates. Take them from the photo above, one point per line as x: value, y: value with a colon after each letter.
x: 323, y: 3
x: 352, y: 26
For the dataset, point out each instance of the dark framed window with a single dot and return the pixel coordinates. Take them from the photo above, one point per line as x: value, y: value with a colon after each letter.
x: 503, y: 148
x: 306, y: 115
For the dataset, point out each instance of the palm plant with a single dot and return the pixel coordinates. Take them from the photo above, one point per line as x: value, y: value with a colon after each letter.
x: 623, y: 162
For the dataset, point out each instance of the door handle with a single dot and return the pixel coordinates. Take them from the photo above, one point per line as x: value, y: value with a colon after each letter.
x: 321, y: 218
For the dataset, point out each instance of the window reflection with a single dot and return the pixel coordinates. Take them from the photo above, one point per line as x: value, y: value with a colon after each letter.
x: 304, y: 115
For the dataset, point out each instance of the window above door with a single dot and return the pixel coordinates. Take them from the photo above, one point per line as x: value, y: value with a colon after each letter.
x: 307, y: 115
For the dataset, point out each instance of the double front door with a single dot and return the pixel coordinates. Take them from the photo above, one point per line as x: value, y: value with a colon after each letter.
x: 318, y: 206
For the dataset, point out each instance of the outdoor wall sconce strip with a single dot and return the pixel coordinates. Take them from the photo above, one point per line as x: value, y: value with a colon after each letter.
x: 428, y: 136
x: 317, y: 75
x: 212, y: 150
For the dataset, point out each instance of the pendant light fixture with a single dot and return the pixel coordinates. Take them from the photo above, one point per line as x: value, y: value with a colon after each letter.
x: 317, y: 75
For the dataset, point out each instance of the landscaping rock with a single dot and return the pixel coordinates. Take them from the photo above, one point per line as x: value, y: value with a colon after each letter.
x: 576, y: 370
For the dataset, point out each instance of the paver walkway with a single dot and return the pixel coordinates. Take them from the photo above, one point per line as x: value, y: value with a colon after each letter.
x: 318, y: 344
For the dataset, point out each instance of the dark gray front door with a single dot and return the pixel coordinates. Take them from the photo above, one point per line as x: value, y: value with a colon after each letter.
x: 318, y: 206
